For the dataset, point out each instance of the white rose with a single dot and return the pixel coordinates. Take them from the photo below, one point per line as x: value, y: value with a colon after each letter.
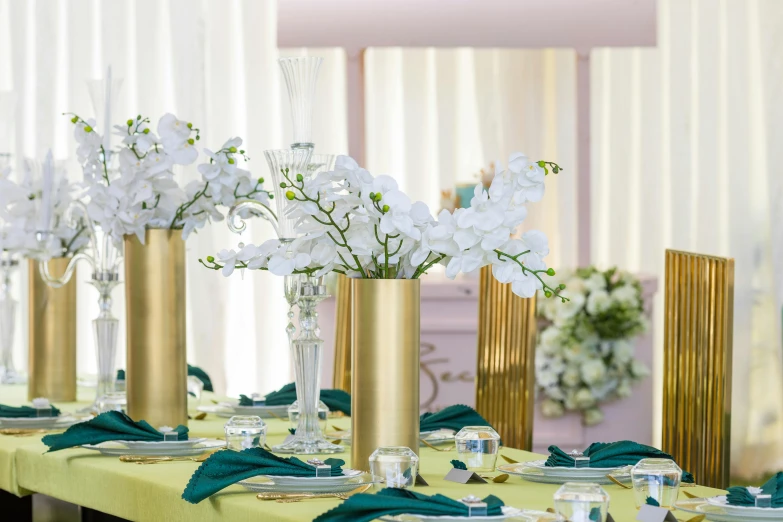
x: 623, y: 351
x: 570, y: 400
x: 584, y: 399
x: 572, y: 307
x: 598, y: 301
x: 551, y: 408
x: 550, y: 335
x: 595, y: 282
x: 624, y: 389
x: 627, y: 295
x: 592, y: 417
x: 574, y: 353
x: 639, y: 369
x: 546, y: 378
x: 572, y: 376
x: 555, y: 392
x: 593, y: 371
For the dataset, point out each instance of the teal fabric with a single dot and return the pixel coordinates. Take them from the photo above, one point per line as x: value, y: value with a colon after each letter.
x: 228, y: 467
x: 740, y: 496
x: 612, y: 454
x: 335, y: 400
x: 23, y: 411
x: 194, y: 371
x: 365, y: 507
x: 453, y: 417
x: 112, y: 425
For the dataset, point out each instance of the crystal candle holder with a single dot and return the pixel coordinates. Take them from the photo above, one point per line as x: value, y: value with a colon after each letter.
x: 658, y: 479
x: 582, y: 502
x: 477, y: 447
x: 112, y: 401
x: 396, y: 466
x: 323, y: 414
x: 245, y: 431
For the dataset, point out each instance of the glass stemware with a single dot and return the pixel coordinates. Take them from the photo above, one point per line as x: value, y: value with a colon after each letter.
x: 300, y: 76
x: 8, y: 304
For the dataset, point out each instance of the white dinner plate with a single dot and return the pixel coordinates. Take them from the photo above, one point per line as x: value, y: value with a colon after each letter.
x: 745, y: 511
x: 347, y: 475
x: 226, y: 410
x: 433, y: 437
x: 266, y: 484
x: 565, y: 472
x: 509, y: 513
x: 63, y: 421
x: 713, y: 513
x: 161, y: 444
x: 115, y: 449
x: 534, y: 474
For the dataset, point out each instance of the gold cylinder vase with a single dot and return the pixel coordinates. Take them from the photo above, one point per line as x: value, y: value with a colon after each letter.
x: 384, y: 366
x: 156, y: 371
x: 52, y: 335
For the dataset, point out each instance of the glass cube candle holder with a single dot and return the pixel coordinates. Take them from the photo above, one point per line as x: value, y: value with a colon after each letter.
x: 658, y: 479
x: 245, y: 431
x: 195, y: 389
x: 113, y: 401
x: 582, y: 502
x: 323, y: 414
x: 477, y: 447
x: 396, y: 466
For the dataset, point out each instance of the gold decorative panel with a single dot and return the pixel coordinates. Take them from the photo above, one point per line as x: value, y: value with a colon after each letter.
x: 505, y: 378
x: 698, y: 329
x: 342, y: 335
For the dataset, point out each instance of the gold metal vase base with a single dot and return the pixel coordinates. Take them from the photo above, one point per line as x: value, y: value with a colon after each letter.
x: 52, y: 335
x: 384, y: 366
x: 156, y: 368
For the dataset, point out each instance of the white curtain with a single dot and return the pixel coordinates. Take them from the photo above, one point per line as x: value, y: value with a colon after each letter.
x: 686, y: 147
x: 210, y: 62
x: 436, y: 117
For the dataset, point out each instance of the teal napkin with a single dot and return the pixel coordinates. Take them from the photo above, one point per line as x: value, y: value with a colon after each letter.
x: 612, y: 454
x: 18, y: 412
x: 365, y: 507
x: 453, y: 417
x: 112, y: 425
x: 740, y: 496
x: 194, y: 371
x: 335, y: 400
x: 224, y: 468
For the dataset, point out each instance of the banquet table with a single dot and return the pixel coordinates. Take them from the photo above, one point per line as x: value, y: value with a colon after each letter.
x: 153, y: 492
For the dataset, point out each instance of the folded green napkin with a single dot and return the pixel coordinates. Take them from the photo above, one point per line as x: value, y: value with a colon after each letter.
x: 224, y: 468
x: 194, y: 371
x: 335, y: 400
x: 112, y: 425
x: 365, y: 507
x: 453, y: 417
x: 19, y: 412
x: 610, y: 455
x: 740, y: 496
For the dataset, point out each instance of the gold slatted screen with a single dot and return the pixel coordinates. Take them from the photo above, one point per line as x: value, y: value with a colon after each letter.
x: 505, y: 379
x: 699, y: 317
x: 342, y: 335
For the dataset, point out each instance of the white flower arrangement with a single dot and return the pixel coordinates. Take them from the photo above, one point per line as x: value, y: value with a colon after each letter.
x: 349, y: 221
x: 585, y: 352
x: 143, y: 191
x: 25, y: 206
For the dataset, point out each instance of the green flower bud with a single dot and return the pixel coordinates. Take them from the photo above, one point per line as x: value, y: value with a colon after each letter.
x: 290, y: 195
x: 562, y: 286
x: 541, y: 163
x: 271, y: 196
x: 190, y: 125
x: 129, y: 122
x: 385, y: 208
x: 231, y: 161
x: 550, y: 272
x: 87, y: 129
x: 299, y: 178
x: 138, y: 118
x: 232, y: 149
x: 74, y: 119
x: 372, y: 196
x: 191, y: 141
x: 260, y: 180
x: 548, y: 294
x: 146, y: 131
x: 198, y: 137
x: 241, y: 151
x: 282, y: 184
x: 210, y: 259
x: 378, y: 196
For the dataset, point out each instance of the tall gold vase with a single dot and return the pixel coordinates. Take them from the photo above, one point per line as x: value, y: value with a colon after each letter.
x: 52, y: 335
x: 384, y: 366
x: 156, y: 378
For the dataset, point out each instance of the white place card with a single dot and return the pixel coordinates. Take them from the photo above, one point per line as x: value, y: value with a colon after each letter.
x: 463, y: 476
x: 649, y: 513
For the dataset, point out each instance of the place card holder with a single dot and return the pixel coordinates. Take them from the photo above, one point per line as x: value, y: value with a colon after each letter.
x: 43, y: 412
x: 476, y: 508
x: 170, y: 436
x: 763, y: 501
x: 321, y: 469
x: 258, y: 399
x: 582, y: 462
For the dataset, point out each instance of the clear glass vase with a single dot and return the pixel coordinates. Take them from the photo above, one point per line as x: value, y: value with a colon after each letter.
x: 301, y: 74
x: 284, y: 165
x: 105, y: 328
x: 307, y: 351
x: 7, y: 317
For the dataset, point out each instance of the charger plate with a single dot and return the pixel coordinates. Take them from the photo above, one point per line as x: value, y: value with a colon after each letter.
x: 265, y: 484
x: 64, y: 420
x: 536, y: 474
x: 117, y: 449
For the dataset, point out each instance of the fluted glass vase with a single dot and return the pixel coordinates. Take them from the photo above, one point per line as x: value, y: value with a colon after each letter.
x: 301, y: 74
x: 105, y: 328
x: 320, y: 163
x: 7, y: 317
x: 307, y: 351
x: 284, y: 165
